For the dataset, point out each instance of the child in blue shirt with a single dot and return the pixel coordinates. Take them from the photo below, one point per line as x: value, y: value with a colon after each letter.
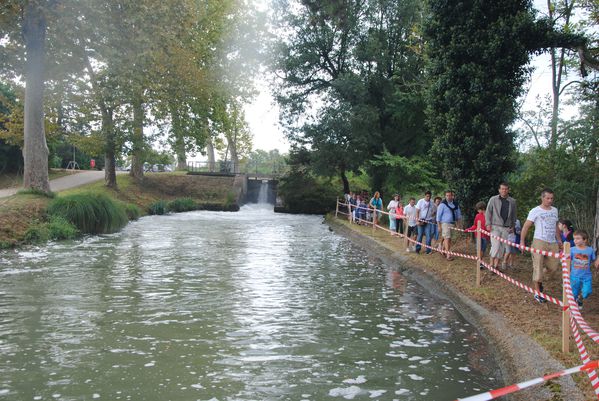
x: 582, y: 256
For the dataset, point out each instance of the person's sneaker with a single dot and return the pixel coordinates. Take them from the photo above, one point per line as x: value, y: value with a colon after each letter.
x: 408, y: 250
x: 540, y: 287
x: 579, y: 302
x: 540, y: 299
x: 481, y: 266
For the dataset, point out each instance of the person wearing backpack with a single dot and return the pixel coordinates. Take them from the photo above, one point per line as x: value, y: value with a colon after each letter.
x: 448, y: 215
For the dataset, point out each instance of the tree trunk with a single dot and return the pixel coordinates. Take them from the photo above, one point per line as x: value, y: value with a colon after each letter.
x: 234, y: 157
x: 179, y: 139
x: 345, y: 182
x: 35, y: 149
x: 210, y: 153
x: 137, y: 168
x: 110, y: 148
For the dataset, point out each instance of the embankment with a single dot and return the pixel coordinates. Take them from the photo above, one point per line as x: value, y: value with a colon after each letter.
x: 518, y: 355
x: 19, y: 212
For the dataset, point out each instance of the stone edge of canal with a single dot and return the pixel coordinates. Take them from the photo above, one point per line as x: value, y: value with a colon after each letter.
x: 518, y: 356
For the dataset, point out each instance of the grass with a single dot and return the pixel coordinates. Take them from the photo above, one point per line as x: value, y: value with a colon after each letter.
x: 91, y: 213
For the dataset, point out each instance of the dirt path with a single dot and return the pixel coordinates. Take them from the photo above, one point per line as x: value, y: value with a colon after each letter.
x: 66, y: 182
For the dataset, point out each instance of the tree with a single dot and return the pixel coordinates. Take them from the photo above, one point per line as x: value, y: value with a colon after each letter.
x: 477, y: 64
x: 360, y: 63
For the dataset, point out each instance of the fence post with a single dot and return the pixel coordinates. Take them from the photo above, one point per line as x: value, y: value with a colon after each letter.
x: 565, y: 312
x: 337, y: 208
x: 405, y: 232
x: 478, y: 252
x: 373, y: 220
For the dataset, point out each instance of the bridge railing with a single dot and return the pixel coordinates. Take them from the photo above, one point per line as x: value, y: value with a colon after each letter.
x: 229, y: 167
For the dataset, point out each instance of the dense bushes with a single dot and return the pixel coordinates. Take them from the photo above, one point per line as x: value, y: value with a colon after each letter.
x: 91, y: 213
x: 304, y: 193
x: 182, y: 205
x: 57, y: 228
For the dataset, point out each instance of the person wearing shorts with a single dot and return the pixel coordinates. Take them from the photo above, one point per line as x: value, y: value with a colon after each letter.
x: 448, y: 214
x: 500, y: 217
x: 546, y: 238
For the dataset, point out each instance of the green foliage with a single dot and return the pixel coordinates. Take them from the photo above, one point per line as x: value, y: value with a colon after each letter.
x: 60, y: 228
x: 158, y: 208
x: 37, y: 192
x: 477, y: 56
x: 574, y: 184
x: 132, y: 211
x: 91, y: 213
x: 407, y: 176
x: 181, y: 205
x: 37, y: 233
x: 363, y: 61
x: 302, y: 192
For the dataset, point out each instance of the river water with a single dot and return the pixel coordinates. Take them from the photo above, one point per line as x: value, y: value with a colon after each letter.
x: 227, y: 306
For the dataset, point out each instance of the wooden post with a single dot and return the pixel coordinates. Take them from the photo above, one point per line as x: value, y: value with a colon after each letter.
x: 405, y: 232
x: 478, y: 252
x: 373, y: 220
x: 337, y: 208
x: 566, y: 313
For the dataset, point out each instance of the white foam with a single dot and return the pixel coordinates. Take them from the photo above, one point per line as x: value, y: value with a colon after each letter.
x: 376, y: 393
x: 415, y: 377
x: 357, y: 380
x: 348, y: 393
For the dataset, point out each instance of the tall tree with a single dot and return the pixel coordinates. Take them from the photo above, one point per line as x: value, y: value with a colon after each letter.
x: 477, y: 63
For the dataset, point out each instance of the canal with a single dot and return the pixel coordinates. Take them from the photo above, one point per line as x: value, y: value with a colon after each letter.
x: 227, y: 306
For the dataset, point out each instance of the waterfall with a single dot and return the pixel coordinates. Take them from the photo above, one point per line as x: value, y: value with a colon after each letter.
x: 263, y: 194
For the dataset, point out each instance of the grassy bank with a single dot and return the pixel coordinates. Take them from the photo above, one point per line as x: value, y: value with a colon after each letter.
x: 21, y: 213
x: 541, y: 322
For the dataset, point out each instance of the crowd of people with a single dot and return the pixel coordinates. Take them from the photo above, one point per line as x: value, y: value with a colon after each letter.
x: 433, y: 220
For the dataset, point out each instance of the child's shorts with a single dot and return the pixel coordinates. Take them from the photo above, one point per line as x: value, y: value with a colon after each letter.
x: 584, y: 283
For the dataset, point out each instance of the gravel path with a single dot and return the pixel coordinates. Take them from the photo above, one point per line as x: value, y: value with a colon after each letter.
x: 65, y: 182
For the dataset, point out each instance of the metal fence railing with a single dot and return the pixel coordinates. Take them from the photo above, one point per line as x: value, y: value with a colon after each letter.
x: 229, y: 167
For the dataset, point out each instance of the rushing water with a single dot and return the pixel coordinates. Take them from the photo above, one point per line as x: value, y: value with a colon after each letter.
x: 227, y: 306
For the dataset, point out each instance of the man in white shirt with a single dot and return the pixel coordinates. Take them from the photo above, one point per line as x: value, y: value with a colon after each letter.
x: 424, y: 211
x: 546, y: 238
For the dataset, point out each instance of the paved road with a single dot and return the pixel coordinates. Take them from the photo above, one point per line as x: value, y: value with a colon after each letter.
x: 65, y: 182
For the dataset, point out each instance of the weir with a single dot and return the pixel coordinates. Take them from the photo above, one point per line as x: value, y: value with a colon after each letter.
x: 260, y: 190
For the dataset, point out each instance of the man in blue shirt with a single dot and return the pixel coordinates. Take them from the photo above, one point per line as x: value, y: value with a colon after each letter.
x: 448, y: 215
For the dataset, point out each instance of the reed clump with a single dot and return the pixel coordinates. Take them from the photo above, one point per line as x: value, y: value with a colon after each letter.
x: 91, y: 213
x: 182, y: 205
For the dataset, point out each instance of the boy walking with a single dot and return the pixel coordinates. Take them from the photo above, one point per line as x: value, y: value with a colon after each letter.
x: 547, y: 238
x: 582, y: 256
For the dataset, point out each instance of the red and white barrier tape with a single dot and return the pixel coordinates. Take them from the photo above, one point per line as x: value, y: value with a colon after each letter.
x: 491, y: 395
x: 572, y: 302
x: 584, y: 356
x: 575, y: 317
x: 523, y: 286
x: 556, y: 255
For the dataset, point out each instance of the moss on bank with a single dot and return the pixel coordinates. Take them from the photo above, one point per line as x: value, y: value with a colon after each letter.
x: 23, y: 216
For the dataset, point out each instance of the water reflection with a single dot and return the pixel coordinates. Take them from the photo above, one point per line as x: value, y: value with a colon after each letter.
x: 227, y: 306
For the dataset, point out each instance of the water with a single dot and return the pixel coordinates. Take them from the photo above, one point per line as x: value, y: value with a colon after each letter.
x: 263, y: 194
x: 227, y: 306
